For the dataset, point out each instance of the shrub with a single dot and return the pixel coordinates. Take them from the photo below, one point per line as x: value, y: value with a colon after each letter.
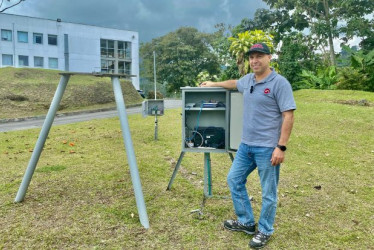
x: 350, y: 78
x: 324, y: 78
x: 151, y: 95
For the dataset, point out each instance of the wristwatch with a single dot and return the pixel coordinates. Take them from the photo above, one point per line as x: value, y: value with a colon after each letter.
x: 282, y: 147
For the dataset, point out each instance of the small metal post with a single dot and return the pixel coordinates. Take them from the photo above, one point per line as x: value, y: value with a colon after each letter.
x: 156, y: 127
x: 175, y: 170
x: 42, y: 138
x: 130, y: 152
x: 154, y: 72
x: 231, y: 156
x: 207, y: 176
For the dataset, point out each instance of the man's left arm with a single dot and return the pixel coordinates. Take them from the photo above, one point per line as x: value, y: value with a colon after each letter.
x: 279, y: 155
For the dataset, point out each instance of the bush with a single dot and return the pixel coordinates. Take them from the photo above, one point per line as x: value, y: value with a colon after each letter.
x: 151, y: 95
x: 324, y: 78
x: 350, y: 78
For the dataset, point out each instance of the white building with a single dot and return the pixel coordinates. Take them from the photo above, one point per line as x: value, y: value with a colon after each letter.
x: 54, y: 44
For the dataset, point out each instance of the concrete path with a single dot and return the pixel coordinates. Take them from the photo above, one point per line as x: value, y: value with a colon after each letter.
x: 66, y: 119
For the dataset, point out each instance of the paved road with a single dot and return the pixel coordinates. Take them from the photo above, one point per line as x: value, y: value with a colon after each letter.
x: 37, y: 123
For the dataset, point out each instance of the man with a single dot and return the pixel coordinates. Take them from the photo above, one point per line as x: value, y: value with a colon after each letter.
x: 267, y: 124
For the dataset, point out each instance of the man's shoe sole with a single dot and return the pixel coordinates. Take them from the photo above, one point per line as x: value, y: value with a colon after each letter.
x: 257, y: 247
x: 239, y: 230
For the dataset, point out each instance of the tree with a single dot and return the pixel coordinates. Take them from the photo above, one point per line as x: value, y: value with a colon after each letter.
x: 367, y: 33
x: 180, y: 57
x: 361, y: 73
x: 221, y: 44
x: 276, y: 22
x: 10, y: 5
x: 240, y: 46
x: 326, y: 19
x: 295, y: 56
x: 221, y: 48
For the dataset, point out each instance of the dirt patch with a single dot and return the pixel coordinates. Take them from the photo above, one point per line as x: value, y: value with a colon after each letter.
x: 362, y: 102
x: 17, y: 98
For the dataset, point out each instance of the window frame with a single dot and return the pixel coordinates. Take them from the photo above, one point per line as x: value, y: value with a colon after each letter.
x: 50, y: 36
x: 5, y: 31
x: 22, y: 32
x: 108, y: 65
x: 50, y: 60
x: 42, y: 60
x: 2, y: 60
x: 117, y: 52
x: 21, y: 60
x: 35, y: 35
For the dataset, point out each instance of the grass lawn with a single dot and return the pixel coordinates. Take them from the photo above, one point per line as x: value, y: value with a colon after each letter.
x: 81, y: 193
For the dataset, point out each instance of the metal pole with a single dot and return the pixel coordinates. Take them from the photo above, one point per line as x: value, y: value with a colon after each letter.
x: 156, y: 127
x: 175, y: 170
x: 207, y: 176
x: 42, y: 137
x: 231, y: 157
x: 154, y: 71
x: 130, y: 152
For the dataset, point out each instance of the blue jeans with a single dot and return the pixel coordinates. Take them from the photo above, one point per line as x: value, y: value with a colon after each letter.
x: 247, y: 159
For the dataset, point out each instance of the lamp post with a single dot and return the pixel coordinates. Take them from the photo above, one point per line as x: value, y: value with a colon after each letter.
x: 154, y: 77
x: 154, y: 71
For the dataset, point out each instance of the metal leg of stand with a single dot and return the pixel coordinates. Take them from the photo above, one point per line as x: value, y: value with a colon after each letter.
x: 207, y: 176
x: 175, y: 170
x: 130, y: 152
x: 231, y: 156
x: 42, y: 137
x: 156, y: 127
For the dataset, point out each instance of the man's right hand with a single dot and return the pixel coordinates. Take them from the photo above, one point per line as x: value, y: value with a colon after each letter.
x: 207, y: 84
x: 228, y: 84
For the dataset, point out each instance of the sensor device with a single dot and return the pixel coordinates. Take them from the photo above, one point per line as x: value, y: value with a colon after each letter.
x: 153, y: 107
x: 213, y: 137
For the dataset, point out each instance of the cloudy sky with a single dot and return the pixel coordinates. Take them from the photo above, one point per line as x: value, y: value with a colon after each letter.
x: 151, y: 18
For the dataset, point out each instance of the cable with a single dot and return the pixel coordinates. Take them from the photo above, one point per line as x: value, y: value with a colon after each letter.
x: 197, y: 125
x: 190, y: 144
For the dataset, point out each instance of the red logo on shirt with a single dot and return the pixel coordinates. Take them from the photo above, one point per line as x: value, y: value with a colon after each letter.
x: 267, y: 91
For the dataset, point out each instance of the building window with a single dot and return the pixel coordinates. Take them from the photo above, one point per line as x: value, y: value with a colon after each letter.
x: 107, y: 66
x: 121, y: 67
x: 38, y: 38
x: 124, y: 50
x: 7, y: 60
x: 121, y: 50
x: 6, y: 35
x: 128, y: 68
x: 22, y: 37
x: 38, y: 62
x: 124, y: 67
x: 52, y: 39
x: 115, y: 55
x: 23, y: 61
x: 53, y: 63
x: 107, y: 48
x: 128, y: 50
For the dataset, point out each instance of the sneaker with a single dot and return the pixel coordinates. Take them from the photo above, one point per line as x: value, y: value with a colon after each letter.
x: 259, y: 240
x: 235, y: 225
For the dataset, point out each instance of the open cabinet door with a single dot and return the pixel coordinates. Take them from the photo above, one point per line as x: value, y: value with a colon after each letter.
x: 235, y: 120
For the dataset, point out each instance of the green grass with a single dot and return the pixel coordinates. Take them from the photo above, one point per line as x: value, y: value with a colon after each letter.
x: 28, y: 92
x: 81, y: 194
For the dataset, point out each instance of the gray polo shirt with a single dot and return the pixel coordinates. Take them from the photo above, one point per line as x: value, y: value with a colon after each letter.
x: 264, y: 103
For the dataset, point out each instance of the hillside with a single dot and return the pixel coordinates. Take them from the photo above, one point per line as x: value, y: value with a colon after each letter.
x: 28, y: 92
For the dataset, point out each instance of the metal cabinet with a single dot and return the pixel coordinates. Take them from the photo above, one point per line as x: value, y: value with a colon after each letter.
x: 205, y: 116
x: 211, y: 123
